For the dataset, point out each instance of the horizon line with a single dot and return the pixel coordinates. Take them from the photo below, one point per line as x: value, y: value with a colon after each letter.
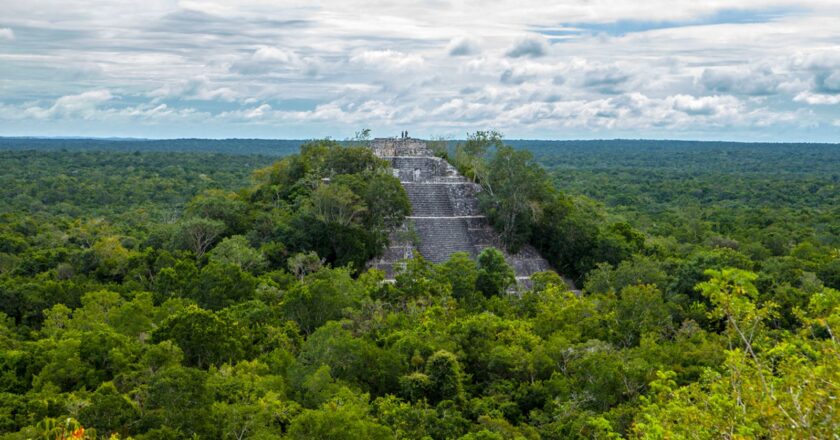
x: 652, y: 139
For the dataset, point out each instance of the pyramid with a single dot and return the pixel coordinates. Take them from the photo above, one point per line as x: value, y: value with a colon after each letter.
x: 445, y: 217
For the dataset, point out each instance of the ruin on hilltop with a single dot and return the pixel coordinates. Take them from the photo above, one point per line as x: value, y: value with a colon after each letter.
x: 445, y: 217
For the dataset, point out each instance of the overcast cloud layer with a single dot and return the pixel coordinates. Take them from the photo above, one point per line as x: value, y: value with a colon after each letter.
x: 769, y: 70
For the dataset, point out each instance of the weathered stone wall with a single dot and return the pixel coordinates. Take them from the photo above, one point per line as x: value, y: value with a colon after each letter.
x: 445, y: 217
x: 390, y: 147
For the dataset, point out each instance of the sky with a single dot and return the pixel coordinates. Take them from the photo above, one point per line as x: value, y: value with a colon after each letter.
x: 752, y: 70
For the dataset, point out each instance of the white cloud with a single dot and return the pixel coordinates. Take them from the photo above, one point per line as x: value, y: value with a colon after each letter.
x: 817, y: 99
x: 274, y: 55
x: 80, y: 106
x: 258, y: 113
x: 387, y: 59
x: 532, y: 47
x: 822, y: 69
x: 277, y: 61
x: 606, y: 79
x: 739, y: 80
x: 817, y: 59
x: 98, y: 105
x: 154, y: 114
x: 526, y: 66
x: 706, y: 105
x: 462, y: 47
x: 199, y: 88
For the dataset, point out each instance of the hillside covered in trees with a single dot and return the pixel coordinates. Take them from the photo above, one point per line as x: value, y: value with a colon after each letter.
x: 158, y: 295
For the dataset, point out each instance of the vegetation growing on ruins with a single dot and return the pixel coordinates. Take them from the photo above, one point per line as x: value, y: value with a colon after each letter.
x: 162, y: 296
x: 521, y: 202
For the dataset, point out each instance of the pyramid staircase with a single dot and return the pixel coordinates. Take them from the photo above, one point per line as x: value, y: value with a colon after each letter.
x: 445, y: 216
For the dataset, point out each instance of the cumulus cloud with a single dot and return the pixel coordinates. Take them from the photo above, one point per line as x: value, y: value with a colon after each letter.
x: 462, y: 47
x: 514, y: 76
x: 528, y: 47
x: 705, y: 105
x: 7, y: 34
x: 269, y: 59
x: 817, y: 98
x: 250, y: 114
x: 606, y: 79
x: 266, y: 59
x: 827, y: 81
x: 199, y: 88
x: 823, y: 67
x: 756, y: 82
x: 149, y: 113
x: 387, y: 59
x: 818, y: 59
x: 80, y: 106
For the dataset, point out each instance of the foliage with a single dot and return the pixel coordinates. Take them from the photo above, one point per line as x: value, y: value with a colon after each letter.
x: 141, y: 300
x: 494, y: 275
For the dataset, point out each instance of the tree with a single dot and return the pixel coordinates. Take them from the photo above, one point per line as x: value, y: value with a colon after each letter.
x: 304, y: 263
x: 343, y: 418
x: 514, y: 191
x: 351, y: 359
x: 568, y: 232
x: 111, y: 256
x: 733, y: 295
x: 470, y: 155
x: 236, y: 250
x: 321, y: 297
x: 178, y: 280
x: 108, y: 411
x: 769, y: 387
x: 640, y: 310
x: 177, y: 399
x: 439, y: 146
x: 222, y: 206
x: 199, y: 234
x: 494, y: 274
x: 461, y: 272
x: 222, y: 285
x: 336, y: 204
x: 445, y: 377
x: 387, y: 202
x: 638, y: 270
x: 361, y: 137
x: 415, y: 386
x: 204, y: 337
x: 415, y: 279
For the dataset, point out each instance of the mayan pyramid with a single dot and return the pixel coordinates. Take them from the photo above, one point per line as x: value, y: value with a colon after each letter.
x: 444, y: 212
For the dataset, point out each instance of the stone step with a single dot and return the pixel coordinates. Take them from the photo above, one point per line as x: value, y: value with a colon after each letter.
x: 424, y: 169
x: 391, y: 258
x: 440, y: 237
x: 429, y: 200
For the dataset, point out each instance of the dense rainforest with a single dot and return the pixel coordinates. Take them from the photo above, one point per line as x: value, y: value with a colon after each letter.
x: 223, y: 293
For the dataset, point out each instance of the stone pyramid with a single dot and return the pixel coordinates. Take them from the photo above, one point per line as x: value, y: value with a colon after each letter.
x: 444, y: 212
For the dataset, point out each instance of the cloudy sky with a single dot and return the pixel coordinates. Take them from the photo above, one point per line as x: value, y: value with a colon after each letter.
x: 568, y: 69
